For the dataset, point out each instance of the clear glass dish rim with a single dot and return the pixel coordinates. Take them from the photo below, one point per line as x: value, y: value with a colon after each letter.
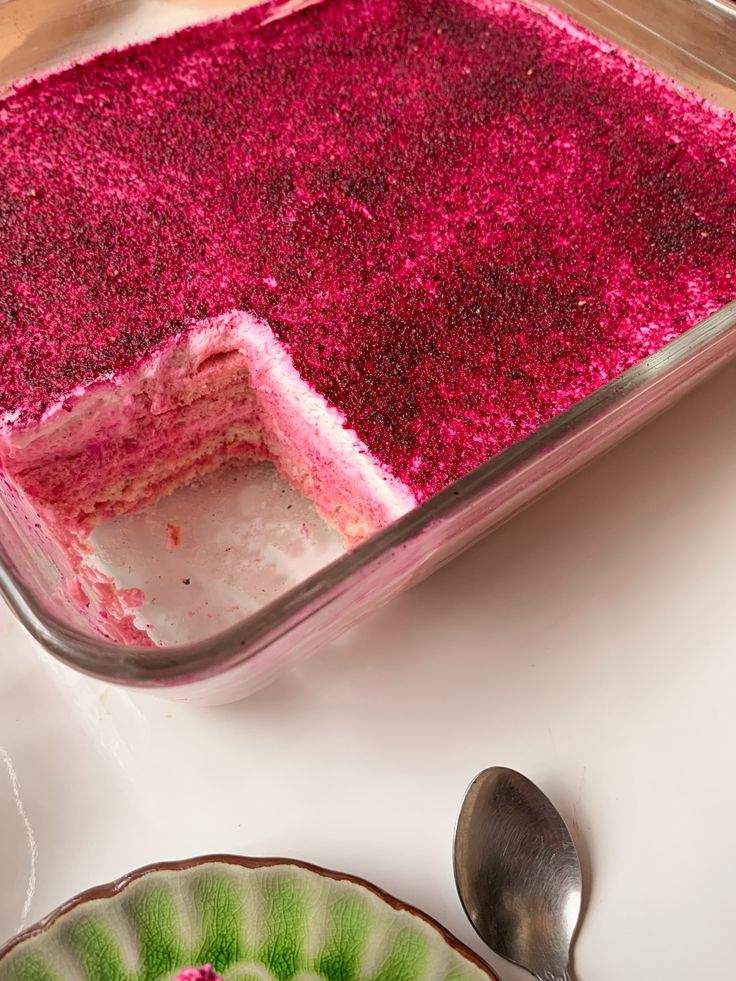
x: 145, y: 667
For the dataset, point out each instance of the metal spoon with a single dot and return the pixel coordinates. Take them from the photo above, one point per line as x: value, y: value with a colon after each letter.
x: 517, y: 873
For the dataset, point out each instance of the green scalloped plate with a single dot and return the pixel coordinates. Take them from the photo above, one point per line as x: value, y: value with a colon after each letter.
x: 252, y: 919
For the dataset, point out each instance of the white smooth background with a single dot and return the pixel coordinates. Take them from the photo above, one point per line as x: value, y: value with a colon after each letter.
x: 590, y: 643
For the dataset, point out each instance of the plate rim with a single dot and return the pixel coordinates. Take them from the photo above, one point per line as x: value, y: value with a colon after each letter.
x: 109, y: 890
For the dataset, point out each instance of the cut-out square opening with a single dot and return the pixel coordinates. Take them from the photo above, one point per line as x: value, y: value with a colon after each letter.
x: 215, y: 551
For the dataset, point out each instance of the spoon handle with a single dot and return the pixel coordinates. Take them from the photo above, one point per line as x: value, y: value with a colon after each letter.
x: 556, y: 976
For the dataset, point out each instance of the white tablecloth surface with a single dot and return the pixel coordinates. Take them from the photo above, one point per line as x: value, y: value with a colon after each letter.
x: 591, y: 643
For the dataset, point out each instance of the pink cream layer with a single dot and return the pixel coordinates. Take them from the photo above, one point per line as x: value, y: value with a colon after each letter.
x: 456, y: 218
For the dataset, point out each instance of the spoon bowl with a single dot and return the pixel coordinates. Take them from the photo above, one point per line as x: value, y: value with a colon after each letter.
x: 517, y: 873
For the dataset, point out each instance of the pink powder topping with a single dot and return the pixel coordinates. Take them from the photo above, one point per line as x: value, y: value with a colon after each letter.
x: 460, y: 217
x: 205, y: 973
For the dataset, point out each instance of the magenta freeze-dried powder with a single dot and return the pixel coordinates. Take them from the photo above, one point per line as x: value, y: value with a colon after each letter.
x: 460, y: 217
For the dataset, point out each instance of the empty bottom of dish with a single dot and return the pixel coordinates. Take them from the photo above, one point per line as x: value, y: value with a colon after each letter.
x: 214, y: 552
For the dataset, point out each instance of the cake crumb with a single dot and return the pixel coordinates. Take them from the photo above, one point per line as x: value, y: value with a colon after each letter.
x: 173, y: 535
x: 74, y: 588
x: 133, y: 597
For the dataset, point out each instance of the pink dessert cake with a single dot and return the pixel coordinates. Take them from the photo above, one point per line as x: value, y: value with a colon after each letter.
x: 372, y: 242
x: 206, y: 973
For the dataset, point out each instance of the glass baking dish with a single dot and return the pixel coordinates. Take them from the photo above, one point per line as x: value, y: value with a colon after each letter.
x: 692, y: 41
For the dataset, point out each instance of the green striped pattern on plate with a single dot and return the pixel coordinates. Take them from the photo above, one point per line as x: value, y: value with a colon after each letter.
x: 270, y: 923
